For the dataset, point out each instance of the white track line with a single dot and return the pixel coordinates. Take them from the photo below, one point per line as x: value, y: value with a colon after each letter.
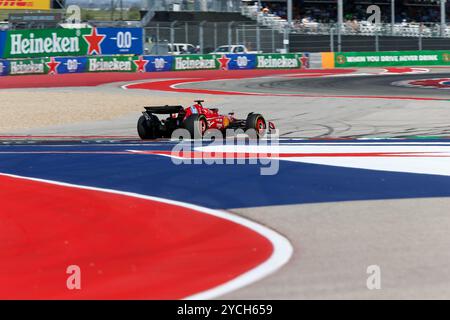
x: 282, y: 249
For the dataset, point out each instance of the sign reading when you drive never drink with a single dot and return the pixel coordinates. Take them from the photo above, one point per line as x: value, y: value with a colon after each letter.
x: 392, y: 58
x: 71, y: 42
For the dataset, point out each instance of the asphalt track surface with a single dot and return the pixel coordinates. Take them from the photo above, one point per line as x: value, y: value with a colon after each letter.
x: 361, y: 85
x: 343, y: 205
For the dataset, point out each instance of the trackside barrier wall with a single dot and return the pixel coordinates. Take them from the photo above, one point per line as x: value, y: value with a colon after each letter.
x: 385, y: 59
x: 121, y: 63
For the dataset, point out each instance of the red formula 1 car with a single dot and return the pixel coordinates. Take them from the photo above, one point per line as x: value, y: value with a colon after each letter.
x: 196, y: 120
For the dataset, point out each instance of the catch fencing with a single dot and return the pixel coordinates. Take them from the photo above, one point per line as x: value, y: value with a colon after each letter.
x: 207, y: 36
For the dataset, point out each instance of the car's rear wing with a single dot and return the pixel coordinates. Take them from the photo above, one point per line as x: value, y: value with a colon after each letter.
x: 164, y: 109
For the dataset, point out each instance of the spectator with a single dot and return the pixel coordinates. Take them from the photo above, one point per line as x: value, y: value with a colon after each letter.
x: 306, y: 20
x: 355, y: 25
x: 421, y: 10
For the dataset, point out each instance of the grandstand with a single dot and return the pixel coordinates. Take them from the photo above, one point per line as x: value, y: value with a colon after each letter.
x: 412, y: 18
x: 325, y: 11
x: 193, y: 5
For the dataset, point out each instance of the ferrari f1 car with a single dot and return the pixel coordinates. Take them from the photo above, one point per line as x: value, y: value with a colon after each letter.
x: 196, y: 119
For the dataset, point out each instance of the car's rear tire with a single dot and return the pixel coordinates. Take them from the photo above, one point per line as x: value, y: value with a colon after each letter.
x: 148, y: 129
x: 256, y: 123
x: 196, y: 124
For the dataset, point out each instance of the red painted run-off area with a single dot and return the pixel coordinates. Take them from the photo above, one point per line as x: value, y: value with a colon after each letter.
x: 126, y: 247
x: 94, y: 79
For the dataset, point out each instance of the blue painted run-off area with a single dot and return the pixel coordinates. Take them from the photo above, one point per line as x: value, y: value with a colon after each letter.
x: 213, y: 186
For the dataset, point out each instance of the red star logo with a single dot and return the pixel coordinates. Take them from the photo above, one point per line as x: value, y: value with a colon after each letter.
x: 94, y: 41
x: 53, y: 65
x: 140, y: 64
x: 224, y: 62
x: 304, y: 62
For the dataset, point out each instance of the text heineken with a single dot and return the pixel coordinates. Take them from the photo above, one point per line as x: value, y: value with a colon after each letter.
x: 109, y: 64
x: 277, y: 62
x: 27, y: 67
x: 197, y: 63
x: 20, y: 44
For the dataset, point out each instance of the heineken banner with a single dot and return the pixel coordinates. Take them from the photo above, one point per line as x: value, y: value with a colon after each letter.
x: 157, y: 63
x: 392, y: 58
x: 214, y: 62
x: 128, y: 63
x: 68, y: 65
x: 28, y: 66
x: 120, y: 41
x: 64, y: 65
x: 4, y: 67
x: 70, y: 42
x: 282, y: 61
x: 112, y: 64
x: 196, y: 62
x: 241, y: 61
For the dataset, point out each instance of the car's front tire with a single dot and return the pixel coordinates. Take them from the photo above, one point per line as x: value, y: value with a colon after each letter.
x: 256, y: 122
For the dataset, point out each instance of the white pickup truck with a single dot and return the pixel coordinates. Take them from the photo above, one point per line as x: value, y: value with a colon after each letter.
x: 236, y: 49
